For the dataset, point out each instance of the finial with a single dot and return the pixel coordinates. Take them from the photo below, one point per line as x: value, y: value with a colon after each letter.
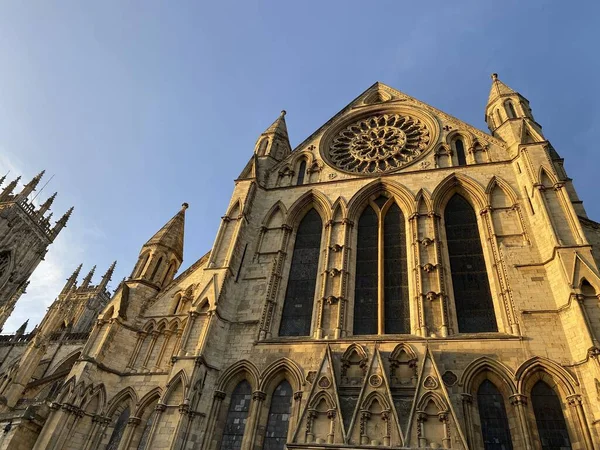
x: 495, y: 77
x: 107, y: 276
x: 283, y: 112
x: 47, y: 204
x: 88, y: 278
x: 185, y: 206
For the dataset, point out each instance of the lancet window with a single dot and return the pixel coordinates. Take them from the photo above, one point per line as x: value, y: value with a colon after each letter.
x: 492, y: 415
x: 460, y: 151
x: 300, y: 294
x: 237, y: 414
x: 551, y: 425
x: 301, y: 173
x: 472, y: 295
x: 118, y: 430
x: 510, y: 110
x: 279, y: 418
x: 381, y: 288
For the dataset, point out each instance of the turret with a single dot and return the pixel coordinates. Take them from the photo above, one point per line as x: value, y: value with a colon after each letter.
x: 72, y: 280
x: 509, y: 116
x: 7, y: 192
x: 30, y: 187
x: 274, y: 142
x: 107, y: 276
x: 88, y: 278
x: 162, y: 255
x: 62, y: 222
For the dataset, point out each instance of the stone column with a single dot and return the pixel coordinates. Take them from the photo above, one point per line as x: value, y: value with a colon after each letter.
x: 519, y: 401
x: 155, y: 335
x: 576, y: 403
x: 138, y: 345
x: 446, y: 441
x: 186, y: 332
x: 212, y: 419
x: 258, y: 397
x: 128, y: 433
x: 331, y: 414
x: 96, y: 424
x: 421, y: 419
x: 159, y: 408
x: 467, y: 401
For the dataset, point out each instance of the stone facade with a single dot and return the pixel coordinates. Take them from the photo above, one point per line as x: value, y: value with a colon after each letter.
x: 399, y: 280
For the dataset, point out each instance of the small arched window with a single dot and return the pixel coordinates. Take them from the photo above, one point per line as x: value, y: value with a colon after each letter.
x: 459, y: 146
x: 498, y: 117
x: 300, y: 294
x: 301, y: 173
x: 156, y: 268
x: 118, y: 430
x: 551, y: 425
x: 279, y: 417
x: 169, y: 273
x: 492, y: 415
x: 237, y: 414
x: 141, y: 265
x: 510, y: 110
x: 381, y: 288
x: 472, y: 295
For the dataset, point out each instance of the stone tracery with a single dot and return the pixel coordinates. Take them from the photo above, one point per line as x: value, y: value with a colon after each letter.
x: 380, y: 143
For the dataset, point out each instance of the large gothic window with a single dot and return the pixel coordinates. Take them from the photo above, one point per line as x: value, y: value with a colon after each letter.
x: 279, y: 418
x: 118, y: 430
x: 300, y: 294
x: 551, y: 425
x: 492, y: 415
x: 237, y: 414
x: 381, y: 286
x: 472, y: 295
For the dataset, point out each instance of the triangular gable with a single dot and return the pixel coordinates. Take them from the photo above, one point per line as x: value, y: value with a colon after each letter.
x: 577, y: 268
x: 375, y: 421
x: 322, y: 410
x: 432, y: 419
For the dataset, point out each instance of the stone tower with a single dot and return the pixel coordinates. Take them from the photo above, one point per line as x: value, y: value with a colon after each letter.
x: 400, y: 279
x: 25, y: 235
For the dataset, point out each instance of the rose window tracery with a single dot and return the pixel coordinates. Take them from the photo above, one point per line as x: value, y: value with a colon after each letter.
x: 381, y: 143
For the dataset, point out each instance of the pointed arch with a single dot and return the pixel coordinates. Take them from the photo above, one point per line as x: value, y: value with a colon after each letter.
x: 561, y: 377
x: 339, y: 208
x: 175, y: 388
x: 403, y: 348
x: 355, y: 348
x: 546, y: 178
x: 403, y: 196
x: 311, y: 199
x: 423, y: 203
x: 434, y: 397
x: 235, y: 210
x: 66, y: 390
x: 487, y: 364
x: 236, y: 372
x: 499, y: 182
x: 97, y: 393
x: 455, y: 134
x: 125, y: 395
x: 283, y: 368
x: 275, y: 217
x: 322, y: 395
x: 461, y: 184
x: 371, y: 397
x: 65, y: 363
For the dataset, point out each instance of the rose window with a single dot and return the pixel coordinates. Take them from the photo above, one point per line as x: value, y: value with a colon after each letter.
x: 379, y: 144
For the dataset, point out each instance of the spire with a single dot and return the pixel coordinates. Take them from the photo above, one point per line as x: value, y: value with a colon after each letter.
x: 9, y: 189
x: 46, y: 205
x: 62, y: 222
x: 30, y: 187
x: 171, y: 234
x: 274, y: 141
x: 3, y: 179
x: 72, y: 280
x: 107, y: 276
x: 498, y: 89
x: 22, y: 328
x: 88, y: 278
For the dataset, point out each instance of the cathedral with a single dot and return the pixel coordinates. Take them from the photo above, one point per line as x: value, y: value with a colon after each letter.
x: 400, y: 280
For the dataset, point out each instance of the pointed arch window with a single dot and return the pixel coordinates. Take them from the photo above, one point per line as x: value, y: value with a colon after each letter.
x: 499, y: 117
x: 551, y: 425
x: 492, y: 415
x: 4, y: 266
x: 381, y: 286
x: 472, y: 295
x: 156, y: 268
x: 279, y: 417
x: 237, y: 414
x: 460, y: 151
x: 118, y: 430
x: 300, y: 294
x: 510, y: 110
x: 301, y: 173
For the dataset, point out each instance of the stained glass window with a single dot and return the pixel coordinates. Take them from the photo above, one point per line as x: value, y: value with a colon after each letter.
x: 460, y: 152
x: 237, y: 414
x: 472, y: 295
x: 146, y: 431
x: 300, y: 293
x: 301, y: 173
x: 279, y: 418
x: 492, y: 414
x: 549, y: 418
x: 365, y: 292
x: 118, y: 430
x: 395, y: 274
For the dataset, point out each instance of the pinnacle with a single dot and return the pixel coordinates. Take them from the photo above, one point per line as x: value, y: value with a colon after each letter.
x: 279, y: 126
x: 498, y: 89
x: 172, y: 233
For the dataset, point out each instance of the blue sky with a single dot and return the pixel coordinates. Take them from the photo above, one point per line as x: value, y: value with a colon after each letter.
x: 136, y: 107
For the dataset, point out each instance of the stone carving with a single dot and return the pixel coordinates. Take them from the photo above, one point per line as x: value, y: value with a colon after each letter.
x: 324, y: 382
x: 375, y: 380
x: 430, y: 382
x: 449, y: 378
x: 377, y: 144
